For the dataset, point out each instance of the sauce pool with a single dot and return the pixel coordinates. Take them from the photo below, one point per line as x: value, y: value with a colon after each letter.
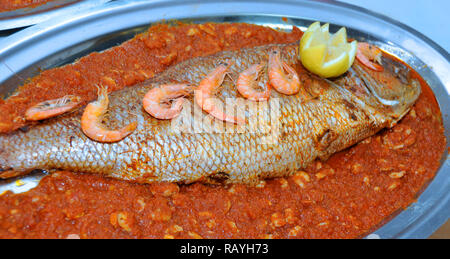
x: 11, y: 5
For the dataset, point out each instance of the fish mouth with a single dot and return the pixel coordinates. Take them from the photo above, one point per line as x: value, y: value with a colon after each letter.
x: 392, y: 91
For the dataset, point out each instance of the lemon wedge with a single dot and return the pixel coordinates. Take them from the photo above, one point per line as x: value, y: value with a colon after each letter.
x: 325, y: 54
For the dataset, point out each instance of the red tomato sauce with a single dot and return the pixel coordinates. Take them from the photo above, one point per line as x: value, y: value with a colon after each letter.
x: 10, y: 5
x: 347, y: 196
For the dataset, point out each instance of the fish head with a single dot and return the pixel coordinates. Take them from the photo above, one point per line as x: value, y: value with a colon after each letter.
x: 392, y: 91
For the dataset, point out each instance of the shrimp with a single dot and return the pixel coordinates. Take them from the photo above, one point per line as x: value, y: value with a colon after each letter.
x: 51, y: 108
x: 367, y: 53
x: 157, y: 96
x: 205, y: 99
x: 246, y: 84
x: 289, y: 83
x: 91, y: 121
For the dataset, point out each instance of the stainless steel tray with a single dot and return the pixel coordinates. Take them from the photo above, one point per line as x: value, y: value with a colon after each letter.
x: 32, y: 15
x: 64, y: 39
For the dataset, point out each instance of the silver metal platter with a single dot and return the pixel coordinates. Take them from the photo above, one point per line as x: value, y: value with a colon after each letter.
x: 64, y: 39
x: 32, y: 15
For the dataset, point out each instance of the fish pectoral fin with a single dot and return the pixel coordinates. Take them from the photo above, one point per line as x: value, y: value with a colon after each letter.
x: 217, y: 178
x: 325, y: 139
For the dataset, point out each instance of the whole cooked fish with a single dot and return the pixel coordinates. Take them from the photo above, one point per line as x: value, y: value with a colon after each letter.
x: 279, y: 137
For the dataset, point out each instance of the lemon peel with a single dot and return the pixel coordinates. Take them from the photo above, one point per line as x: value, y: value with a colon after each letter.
x: 325, y: 54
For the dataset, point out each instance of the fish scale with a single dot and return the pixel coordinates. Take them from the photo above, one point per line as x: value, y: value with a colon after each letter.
x: 157, y: 151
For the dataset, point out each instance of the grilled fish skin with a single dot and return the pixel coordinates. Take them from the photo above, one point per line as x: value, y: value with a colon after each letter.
x: 290, y: 132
